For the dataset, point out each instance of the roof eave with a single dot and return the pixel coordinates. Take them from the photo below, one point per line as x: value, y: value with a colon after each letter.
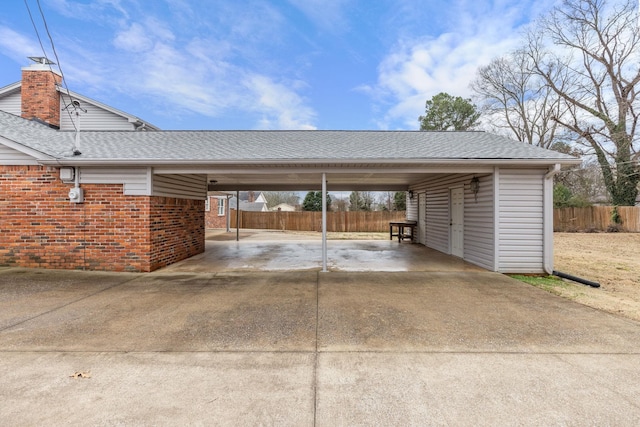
x: 79, y: 161
x: 40, y: 156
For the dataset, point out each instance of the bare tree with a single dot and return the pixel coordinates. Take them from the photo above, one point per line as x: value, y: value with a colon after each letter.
x: 587, y: 52
x: 275, y: 198
x: 517, y: 101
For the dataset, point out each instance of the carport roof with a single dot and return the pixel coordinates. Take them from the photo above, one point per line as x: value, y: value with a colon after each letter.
x: 267, y: 147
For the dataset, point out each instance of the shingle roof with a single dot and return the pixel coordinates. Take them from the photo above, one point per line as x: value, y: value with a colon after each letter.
x: 267, y: 146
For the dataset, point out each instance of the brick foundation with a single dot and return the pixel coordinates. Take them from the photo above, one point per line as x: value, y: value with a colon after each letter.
x: 40, y: 228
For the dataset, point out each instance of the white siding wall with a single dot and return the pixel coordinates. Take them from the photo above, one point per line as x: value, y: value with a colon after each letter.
x: 180, y: 186
x: 95, y: 118
x: 412, y: 207
x: 9, y: 156
x: 521, y: 225
x: 478, y: 216
x: 136, y: 181
x: 12, y: 103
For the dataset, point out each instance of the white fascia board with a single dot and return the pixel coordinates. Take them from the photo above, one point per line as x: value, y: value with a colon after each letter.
x: 10, y: 88
x: 38, y: 155
x: 190, y: 163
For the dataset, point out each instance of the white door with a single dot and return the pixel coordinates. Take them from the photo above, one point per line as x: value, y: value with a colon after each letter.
x: 422, y: 223
x: 457, y: 222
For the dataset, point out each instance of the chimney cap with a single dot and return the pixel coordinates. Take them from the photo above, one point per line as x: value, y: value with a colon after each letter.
x: 41, y: 60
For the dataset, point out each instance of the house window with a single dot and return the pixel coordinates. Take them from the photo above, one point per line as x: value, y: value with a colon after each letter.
x: 221, y: 207
x: 207, y: 204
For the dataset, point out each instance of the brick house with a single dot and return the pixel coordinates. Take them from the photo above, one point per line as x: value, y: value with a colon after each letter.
x: 134, y: 200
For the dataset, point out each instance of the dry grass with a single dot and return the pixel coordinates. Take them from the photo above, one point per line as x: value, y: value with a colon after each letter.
x: 612, y: 259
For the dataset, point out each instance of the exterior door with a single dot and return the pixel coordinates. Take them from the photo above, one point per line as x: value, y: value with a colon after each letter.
x: 456, y: 237
x: 422, y: 223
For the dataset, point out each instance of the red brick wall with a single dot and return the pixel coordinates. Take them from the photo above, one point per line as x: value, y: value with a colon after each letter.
x: 212, y: 219
x: 39, y: 227
x: 40, y: 98
x: 177, y: 230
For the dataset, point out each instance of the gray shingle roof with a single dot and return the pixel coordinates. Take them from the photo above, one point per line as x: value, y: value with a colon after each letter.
x: 267, y: 146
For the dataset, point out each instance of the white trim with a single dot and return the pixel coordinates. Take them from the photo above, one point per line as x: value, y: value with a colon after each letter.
x: 451, y: 189
x: 172, y: 166
x: 548, y: 219
x: 41, y: 157
x: 324, y: 222
x: 496, y: 219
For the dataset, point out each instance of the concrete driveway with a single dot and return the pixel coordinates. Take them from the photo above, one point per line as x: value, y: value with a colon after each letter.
x: 308, y: 348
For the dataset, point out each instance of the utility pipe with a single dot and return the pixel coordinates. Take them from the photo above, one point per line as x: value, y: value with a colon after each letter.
x: 576, y: 279
x: 548, y: 218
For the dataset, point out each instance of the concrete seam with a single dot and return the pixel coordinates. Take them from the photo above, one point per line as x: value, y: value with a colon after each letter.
x: 67, y: 304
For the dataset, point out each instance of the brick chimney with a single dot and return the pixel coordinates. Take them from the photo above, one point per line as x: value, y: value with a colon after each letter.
x: 40, y: 99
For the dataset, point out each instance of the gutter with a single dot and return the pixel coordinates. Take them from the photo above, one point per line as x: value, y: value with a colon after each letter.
x: 548, y: 223
x: 67, y: 161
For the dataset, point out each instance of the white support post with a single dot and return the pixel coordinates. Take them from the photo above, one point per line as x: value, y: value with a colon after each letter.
x: 324, y: 222
x: 237, y: 216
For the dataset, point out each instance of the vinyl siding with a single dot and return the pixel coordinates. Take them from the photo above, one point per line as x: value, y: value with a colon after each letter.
x: 136, y: 181
x: 521, y: 214
x: 12, y: 103
x: 180, y: 186
x: 478, y: 216
x: 9, y: 156
x: 95, y: 118
x: 412, y: 207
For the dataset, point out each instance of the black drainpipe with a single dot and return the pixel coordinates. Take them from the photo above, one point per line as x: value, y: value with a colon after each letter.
x: 576, y: 279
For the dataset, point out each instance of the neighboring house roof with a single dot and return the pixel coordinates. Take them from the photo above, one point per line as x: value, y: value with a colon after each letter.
x: 13, y: 90
x: 249, y: 206
x: 257, y: 196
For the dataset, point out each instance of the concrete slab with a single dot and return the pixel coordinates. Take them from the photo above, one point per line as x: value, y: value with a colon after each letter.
x: 170, y: 312
x: 264, y: 254
x: 363, y: 389
x: 460, y: 312
x: 309, y: 348
x: 222, y: 389
x: 45, y: 290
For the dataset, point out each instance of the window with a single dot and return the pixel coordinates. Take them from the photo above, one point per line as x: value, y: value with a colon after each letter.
x: 221, y: 207
x: 207, y: 204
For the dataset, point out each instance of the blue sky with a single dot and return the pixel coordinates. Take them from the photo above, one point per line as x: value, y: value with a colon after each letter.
x: 257, y: 64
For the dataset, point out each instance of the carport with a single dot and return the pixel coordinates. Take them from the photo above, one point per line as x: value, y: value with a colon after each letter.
x: 139, y: 196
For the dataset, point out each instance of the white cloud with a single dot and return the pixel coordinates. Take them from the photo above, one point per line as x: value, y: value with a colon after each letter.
x: 133, y: 39
x: 280, y: 106
x: 17, y: 46
x: 92, y: 11
x: 205, y: 67
x: 418, y: 68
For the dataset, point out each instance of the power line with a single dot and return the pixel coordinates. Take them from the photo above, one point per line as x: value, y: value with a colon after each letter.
x: 64, y: 82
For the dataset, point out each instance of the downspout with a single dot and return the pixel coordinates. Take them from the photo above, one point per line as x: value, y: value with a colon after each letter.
x: 548, y: 218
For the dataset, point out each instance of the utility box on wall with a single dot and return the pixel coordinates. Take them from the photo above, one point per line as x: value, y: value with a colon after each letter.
x: 76, y: 195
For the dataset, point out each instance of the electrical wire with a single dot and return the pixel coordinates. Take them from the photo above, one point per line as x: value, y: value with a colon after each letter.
x: 44, y: 52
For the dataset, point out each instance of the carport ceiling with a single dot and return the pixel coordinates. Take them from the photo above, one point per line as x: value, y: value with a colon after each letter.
x: 365, y: 177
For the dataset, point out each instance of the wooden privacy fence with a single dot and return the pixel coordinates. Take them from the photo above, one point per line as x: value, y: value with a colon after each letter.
x: 348, y: 222
x: 595, y: 218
